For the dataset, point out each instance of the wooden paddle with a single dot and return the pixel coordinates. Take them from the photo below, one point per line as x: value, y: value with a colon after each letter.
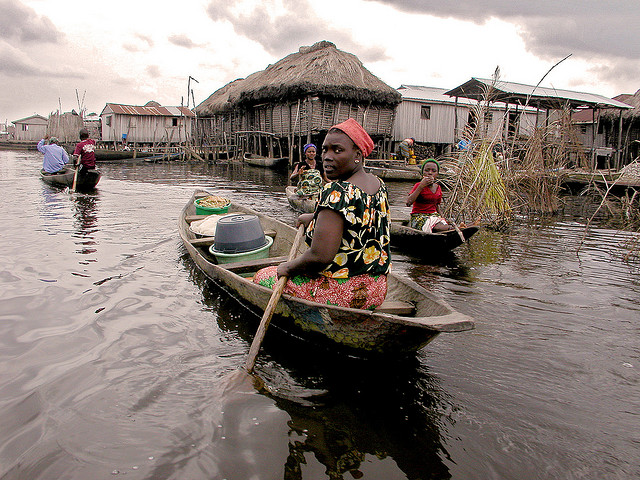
x: 455, y: 225
x: 273, y: 301
x: 75, y: 178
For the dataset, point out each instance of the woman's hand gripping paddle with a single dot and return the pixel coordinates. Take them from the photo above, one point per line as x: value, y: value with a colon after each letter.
x: 273, y: 301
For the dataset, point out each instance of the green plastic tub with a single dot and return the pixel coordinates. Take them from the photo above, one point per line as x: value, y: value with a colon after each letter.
x: 262, y: 252
x: 208, y: 210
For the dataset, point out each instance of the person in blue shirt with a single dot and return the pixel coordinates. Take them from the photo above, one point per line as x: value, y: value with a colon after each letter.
x: 55, y: 157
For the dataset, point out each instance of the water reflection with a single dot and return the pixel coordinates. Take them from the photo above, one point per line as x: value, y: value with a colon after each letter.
x: 86, y: 222
x: 348, y: 416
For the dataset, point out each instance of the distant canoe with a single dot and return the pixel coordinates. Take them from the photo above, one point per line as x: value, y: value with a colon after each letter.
x: 162, y: 157
x: 105, y: 154
x: 304, y: 204
x: 86, y: 180
x: 267, y: 162
x: 419, y: 243
x: 401, y: 174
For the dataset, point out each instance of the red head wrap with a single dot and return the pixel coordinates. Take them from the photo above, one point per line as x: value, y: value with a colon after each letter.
x: 358, y: 134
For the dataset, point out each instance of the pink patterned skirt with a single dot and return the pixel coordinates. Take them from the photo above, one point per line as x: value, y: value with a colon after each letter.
x: 362, y: 291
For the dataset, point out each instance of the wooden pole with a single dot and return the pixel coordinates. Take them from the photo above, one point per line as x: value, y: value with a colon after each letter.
x: 273, y: 301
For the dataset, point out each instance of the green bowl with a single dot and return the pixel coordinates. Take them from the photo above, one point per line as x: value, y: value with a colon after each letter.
x: 262, y: 252
x: 200, y: 210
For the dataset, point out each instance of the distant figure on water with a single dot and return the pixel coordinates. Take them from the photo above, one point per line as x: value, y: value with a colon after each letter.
x: 405, y: 149
x: 426, y: 196
x: 55, y: 157
x: 84, y: 153
x: 348, y: 258
x: 308, y: 173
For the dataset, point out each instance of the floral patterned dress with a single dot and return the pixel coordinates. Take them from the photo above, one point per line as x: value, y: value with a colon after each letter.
x: 310, y: 182
x: 357, y: 276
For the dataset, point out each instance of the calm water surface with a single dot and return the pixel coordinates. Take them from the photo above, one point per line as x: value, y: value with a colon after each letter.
x: 118, y: 358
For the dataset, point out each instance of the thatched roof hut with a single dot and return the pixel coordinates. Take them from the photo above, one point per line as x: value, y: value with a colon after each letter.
x: 320, y: 70
x: 302, y: 94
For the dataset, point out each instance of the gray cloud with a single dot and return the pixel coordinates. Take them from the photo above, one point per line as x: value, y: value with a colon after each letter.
x: 148, y: 40
x: 182, y: 41
x: 590, y: 30
x: 18, y: 22
x: 285, y: 33
x: 140, y: 43
x: 550, y: 28
x: 14, y: 64
x: 153, y: 71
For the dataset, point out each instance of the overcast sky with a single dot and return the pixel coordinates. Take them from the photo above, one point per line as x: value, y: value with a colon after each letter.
x: 67, y: 52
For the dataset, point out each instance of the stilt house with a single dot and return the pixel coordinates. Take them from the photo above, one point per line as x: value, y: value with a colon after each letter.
x: 295, y: 101
x: 549, y: 104
x: 621, y: 129
x: 151, y: 124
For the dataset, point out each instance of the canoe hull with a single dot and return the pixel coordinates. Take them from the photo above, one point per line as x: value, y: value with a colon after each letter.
x: 357, y: 331
x: 86, y: 181
x: 396, y: 174
x: 421, y: 243
x: 266, y: 162
x: 304, y: 204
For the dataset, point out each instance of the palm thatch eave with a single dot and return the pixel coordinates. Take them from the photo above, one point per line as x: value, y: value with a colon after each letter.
x: 319, y: 70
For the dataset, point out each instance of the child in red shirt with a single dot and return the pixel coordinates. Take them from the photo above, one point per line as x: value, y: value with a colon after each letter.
x: 425, y: 196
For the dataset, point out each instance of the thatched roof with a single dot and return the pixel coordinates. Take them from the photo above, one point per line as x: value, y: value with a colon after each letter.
x: 318, y: 70
x: 218, y: 101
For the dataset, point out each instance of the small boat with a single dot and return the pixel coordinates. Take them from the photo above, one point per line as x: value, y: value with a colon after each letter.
x: 87, y: 180
x: 409, y: 318
x: 400, y: 174
x: 106, y: 154
x: 162, y: 157
x: 421, y: 243
x: 268, y: 162
x: 301, y: 203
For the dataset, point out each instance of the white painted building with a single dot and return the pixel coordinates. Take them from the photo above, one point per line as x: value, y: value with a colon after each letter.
x: 429, y: 116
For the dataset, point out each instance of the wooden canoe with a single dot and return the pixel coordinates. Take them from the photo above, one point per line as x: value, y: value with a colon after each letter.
x: 268, y: 162
x: 421, y: 243
x: 304, y: 204
x: 105, y: 154
x: 409, y: 318
x: 87, y: 179
x: 400, y: 174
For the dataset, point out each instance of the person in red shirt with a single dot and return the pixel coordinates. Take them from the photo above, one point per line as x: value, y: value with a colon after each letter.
x: 426, y: 196
x: 84, y: 152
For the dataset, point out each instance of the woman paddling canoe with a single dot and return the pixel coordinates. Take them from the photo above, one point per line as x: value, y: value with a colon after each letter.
x: 348, y: 259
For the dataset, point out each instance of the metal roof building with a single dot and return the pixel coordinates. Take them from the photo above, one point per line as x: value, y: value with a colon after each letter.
x: 531, y: 95
x: 151, y: 123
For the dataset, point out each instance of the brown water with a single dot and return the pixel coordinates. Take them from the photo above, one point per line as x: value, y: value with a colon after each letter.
x: 117, y: 356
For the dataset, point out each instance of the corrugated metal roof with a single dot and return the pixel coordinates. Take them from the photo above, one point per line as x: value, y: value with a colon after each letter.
x: 143, y: 110
x: 544, y: 96
x: 31, y: 117
x: 429, y: 94
x: 438, y: 95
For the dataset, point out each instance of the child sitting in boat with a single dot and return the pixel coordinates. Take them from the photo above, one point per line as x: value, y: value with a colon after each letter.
x: 348, y: 258
x: 426, y: 196
x: 308, y: 173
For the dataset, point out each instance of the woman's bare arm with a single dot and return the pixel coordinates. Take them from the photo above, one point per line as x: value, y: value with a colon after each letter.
x: 327, y: 237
